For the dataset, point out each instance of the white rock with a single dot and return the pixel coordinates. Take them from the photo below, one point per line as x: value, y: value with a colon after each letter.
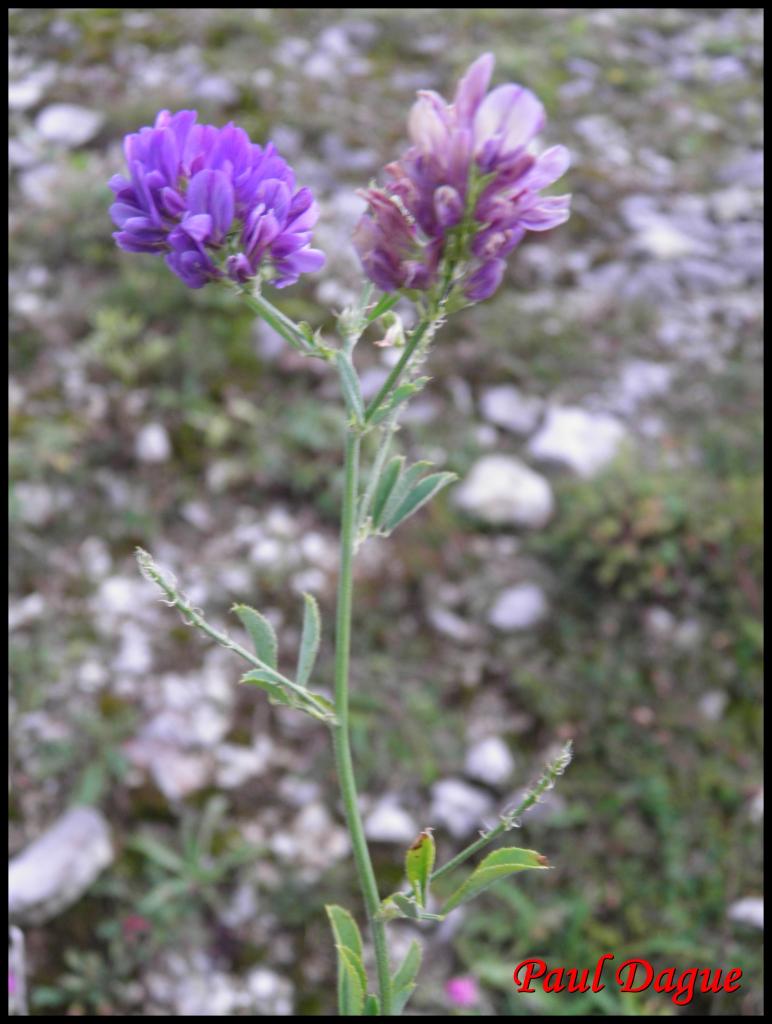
x: 459, y: 806
x: 732, y: 203
x: 67, y: 124
x: 26, y: 92
x: 664, y: 241
x: 452, y: 625
x: 713, y: 704
x: 58, y: 867
x: 659, y: 623
x: 642, y: 380
x: 502, y: 490
x: 313, y: 841
x: 135, y: 655
x: 178, y: 773
x: 26, y: 610
x: 236, y: 764
x: 508, y: 407
x: 749, y: 910
x: 272, y: 994
x: 152, y: 443
x: 387, y: 822
x: 489, y: 761
x: 518, y: 607
x: 584, y: 441
x: 216, y: 89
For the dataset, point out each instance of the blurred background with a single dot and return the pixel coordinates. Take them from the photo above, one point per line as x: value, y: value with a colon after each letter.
x: 596, y: 574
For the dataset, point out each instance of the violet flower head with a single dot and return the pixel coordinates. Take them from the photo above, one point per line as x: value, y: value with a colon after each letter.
x: 465, y: 193
x: 213, y: 203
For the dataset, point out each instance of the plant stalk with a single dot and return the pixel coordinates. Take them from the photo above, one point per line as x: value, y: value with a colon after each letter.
x: 340, y: 731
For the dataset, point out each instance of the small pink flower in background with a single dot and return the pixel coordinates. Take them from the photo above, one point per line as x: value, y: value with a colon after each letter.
x: 11, y: 983
x: 135, y: 925
x: 462, y: 992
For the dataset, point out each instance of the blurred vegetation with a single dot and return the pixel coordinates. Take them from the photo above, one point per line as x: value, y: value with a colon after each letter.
x: 650, y: 831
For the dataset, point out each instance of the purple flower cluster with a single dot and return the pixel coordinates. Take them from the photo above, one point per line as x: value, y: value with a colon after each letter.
x: 213, y: 203
x: 466, y: 191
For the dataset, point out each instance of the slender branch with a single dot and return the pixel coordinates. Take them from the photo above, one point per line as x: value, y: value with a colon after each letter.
x: 193, y: 617
x: 397, y: 369
x: 341, y: 738
x: 276, y: 319
x: 510, y: 818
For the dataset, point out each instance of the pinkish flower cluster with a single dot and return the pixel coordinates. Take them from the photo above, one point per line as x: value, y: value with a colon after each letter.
x: 465, y: 193
x: 214, y: 203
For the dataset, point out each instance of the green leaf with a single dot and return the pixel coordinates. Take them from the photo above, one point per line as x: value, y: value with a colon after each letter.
x: 159, y: 853
x: 385, y: 486
x: 261, y: 633
x: 276, y: 691
x: 404, y: 485
x: 496, y: 865
x: 352, y: 393
x: 419, y: 864
x: 321, y: 708
x: 163, y: 894
x: 372, y: 1006
x: 403, y: 981
x: 352, y: 983
x: 417, y: 497
x: 280, y: 691
x: 309, y: 640
x: 352, y: 980
x: 345, y: 928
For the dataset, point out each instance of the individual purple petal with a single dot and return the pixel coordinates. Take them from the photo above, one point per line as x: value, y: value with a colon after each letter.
x: 125, y: 240
x: 472, y: 88
x: 260, y: 230
x: 275, y: 195
x: 427, y: 124
x: 303, y: 212
x: 551, y: 165
x: 524, y: 120
x: 239, y: 268
x: 164, y: 153
x: 448, y: 206
x: 198, y: 226
x: 121, y: 212
x: 211, y: 192
x: 484, y: 282
x: 548, y: 213
x: 493, y: 112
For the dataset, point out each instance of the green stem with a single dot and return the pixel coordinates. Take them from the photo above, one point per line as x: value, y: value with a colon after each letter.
x: 465, y: 854
x: 388, y: 429
x: 340, y: 731
x: 276, y: 319
x: 398, y: 367
x: 383, y: 306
